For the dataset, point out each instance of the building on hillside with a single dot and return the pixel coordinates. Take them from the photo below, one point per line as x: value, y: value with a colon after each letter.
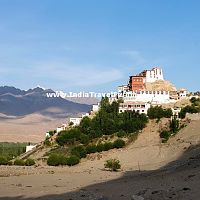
x: 146, y: 96
x: 95, y: 107
x: 182, y: 93
x: 136, y: 82
x: 85, y: 115
x: 61, y: 128
x: 123, y: 88
x: 153, y: 75
x: 175, y: 113
x: 140, y: 107
x: 47, y: 135
x: 139, y: 81
x: 30, y: 147
x: 76, y: 120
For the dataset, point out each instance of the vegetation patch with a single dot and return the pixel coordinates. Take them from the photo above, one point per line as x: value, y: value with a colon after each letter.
x: 194, y: 108
x: 59, y: 159
x: 113, y: 164
x: 174, y: 127
x: 158, y: 112
x: 12, y: 150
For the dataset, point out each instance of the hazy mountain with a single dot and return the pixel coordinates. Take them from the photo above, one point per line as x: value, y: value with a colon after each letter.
x: 18, y: 102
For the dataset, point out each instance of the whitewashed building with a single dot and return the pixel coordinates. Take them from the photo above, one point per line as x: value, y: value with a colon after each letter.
x: 146, y: 96
x: 75, y: 120
x: 182, y: 93
x: 61, y: 128
x: 140, y: 107
x: 175, y: 112
x: 95, y: 107
x: 85, y: 115
x: 30, y: 147
x: 154, y: 74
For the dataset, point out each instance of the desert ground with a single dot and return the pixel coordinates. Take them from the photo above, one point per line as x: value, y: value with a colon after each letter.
x: 28, y: 128
x: 150, y: 170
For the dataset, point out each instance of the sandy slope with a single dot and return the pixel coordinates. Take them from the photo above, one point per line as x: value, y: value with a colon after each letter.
x: 30, y: 128
x: 149, y: 169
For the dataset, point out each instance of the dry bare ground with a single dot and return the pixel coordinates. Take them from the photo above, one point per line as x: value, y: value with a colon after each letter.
x: 150, y: 170
x: 30, y: 128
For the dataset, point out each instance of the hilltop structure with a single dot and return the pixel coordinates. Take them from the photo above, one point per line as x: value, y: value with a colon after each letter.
x: 147, y: 88
x: 139, y: 81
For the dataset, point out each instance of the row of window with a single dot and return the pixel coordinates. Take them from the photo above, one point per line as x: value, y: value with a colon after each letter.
x: 146, y: 92
x: 133, y: 106
x: 135, y: 110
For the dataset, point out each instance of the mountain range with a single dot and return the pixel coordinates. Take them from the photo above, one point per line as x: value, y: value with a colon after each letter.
x: 17, y: 102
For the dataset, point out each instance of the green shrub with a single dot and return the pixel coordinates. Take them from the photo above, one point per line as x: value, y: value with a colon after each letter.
x: 174, y: 125
x: 165, y: 135
x: 19, y: 162
x: 56, y: 159
x: 47, y: 142
x: 121, y: 133
x: 91, y: 149
x: 100, y: 147
x: 29, y: 162
x: 84, y: 139
x: 79, y: 151
x: 158, y: 112
x: 73, y: 160
x: 119, y: 143
x: 51, y: 133
x: 108, y: 146
x: 112, y: 164
x: 3, y: 160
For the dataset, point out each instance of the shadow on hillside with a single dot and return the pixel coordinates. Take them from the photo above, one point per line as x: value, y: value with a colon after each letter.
x: 169, y: 182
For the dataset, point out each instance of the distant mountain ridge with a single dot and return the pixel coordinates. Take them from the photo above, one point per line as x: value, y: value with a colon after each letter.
x: 17, y: 102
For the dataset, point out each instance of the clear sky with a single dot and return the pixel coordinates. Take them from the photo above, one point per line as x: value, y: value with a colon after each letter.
x: 90, y: 45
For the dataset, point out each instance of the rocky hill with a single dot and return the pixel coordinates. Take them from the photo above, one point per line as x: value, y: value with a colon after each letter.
x: 161, y: 85
x: 16, y: 102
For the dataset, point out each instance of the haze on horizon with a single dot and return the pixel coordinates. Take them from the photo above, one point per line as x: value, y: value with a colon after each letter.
x: 94, y: 46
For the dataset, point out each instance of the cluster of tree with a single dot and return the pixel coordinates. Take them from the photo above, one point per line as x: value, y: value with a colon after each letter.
x: 158, y: 112
x: 194, y: 108
x: 19, y: 162
x: 174, y: 127
x: 106, y: 122
x: 59, y: 159
x: 81, y: 151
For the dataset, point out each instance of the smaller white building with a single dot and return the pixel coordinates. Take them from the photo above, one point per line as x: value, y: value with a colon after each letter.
x: 175, y: 112
x: 30, y: 147
x: 47, y: 135
x: 182, y: 93
x: 61, y: 128
x: 76, y: 120
x: 140, y: 107
x: 95, y: 107
x: 85, y: 115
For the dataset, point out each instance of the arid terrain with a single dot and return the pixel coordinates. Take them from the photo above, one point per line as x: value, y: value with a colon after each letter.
x: 150, y: 170
x: 28, y: 128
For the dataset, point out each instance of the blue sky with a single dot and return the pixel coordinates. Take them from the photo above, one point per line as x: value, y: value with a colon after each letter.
x: 90, y: 45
